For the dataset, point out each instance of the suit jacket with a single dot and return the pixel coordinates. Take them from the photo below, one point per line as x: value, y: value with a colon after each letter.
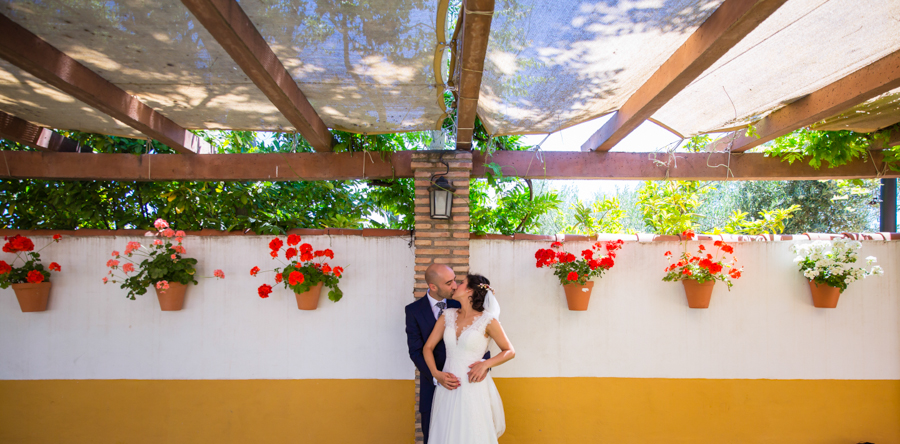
x: 419, y: 325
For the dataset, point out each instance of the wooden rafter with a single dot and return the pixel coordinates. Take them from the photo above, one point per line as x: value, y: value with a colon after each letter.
x: 37, y: 57
x: 232, y: 28
x: 472, y: 41
x: 37, y: 137
x: 344, y: 166
x: 730, y: 23
x: 856, y: 88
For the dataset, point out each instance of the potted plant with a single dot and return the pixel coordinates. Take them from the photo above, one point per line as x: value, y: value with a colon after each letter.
x: 575, y: 273
x: 698, y: 274
x: 826, y: 265
x: 305, y: 272
x: 30, y: 281
x: 160, y: 265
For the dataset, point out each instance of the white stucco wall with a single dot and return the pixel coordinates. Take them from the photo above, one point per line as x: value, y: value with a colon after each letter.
x: 225, y: 331
x: 639, y: 326
x: 636, y: 325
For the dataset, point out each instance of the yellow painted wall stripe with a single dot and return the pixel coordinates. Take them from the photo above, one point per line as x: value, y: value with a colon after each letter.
x: 538, y: 410
x: 625, y: 410
x: 203, y: 411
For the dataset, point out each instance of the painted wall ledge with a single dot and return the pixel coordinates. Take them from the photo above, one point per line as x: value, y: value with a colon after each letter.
x: 376, y: 232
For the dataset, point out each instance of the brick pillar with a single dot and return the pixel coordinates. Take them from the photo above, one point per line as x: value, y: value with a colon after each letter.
x: 440, y: 241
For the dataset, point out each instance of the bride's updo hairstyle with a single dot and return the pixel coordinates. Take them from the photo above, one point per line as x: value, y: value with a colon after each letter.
x: 479, y: 286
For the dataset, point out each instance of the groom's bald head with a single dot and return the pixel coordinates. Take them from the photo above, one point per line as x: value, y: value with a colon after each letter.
x: 441, y: 280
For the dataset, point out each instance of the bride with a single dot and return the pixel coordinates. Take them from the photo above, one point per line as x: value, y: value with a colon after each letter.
x: 468, y: 410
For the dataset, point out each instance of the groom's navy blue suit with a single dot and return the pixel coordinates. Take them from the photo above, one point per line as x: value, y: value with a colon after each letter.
x: 419, y: 324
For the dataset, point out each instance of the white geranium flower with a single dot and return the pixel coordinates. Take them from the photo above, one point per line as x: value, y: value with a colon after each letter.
x: 871, y: 260
x: 877, y: 271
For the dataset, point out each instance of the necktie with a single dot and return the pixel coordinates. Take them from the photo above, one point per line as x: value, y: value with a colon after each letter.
x: 441, y: 305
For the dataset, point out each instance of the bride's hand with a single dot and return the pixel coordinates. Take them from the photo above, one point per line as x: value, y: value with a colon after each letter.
x: 448, y: 380
x: 478, y: 371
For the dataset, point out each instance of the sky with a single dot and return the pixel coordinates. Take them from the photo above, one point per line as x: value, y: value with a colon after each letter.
x: 648, y: 137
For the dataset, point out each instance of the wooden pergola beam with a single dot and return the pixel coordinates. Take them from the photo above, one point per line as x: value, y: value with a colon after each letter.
x: 345, y: 166
x: 37, y: 57
x: 871, y: 81
x: 475, y: 25
x: 37, y: 137
x: 232, y: 28
x: 730, y: 23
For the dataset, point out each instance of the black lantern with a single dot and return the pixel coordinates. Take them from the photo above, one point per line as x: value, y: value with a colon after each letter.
x: 441, y: 194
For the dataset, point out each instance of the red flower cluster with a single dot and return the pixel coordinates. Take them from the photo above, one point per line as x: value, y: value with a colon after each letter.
x: 569, y: 268
x: 300, y: 272
x: 19, y: 243
x: 31, y: 271
x: 35, y: 277
x: 704, y: 266
x: 264, y: 290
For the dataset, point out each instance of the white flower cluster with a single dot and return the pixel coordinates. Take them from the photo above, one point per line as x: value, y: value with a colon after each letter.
x: 824, y: 260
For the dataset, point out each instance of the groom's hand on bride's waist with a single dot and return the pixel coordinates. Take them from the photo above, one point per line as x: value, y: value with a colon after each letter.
x: 448, y: 380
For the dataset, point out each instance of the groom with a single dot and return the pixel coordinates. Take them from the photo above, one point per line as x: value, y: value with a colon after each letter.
x: 421, y: 316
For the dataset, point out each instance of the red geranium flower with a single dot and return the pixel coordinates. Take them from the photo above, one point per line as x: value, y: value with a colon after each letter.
x: 18, y: 243
x: 35, y: 277
x: 128, y: 268
x: 264, y: 290
x: 295, y: 278
x: 728, y: 249
x: 278, y: 278
x: 54, y: 267
x: 326, y: 268
x: 607, y: 262
x: 112, y: 263
x: 57, y: 237
x: 668, y: 253
x: 290, y: 252
x: 274, y: 254
x: 253, y: 271
x: 329, y: 254
x: 717, y: 243
x: 702, y: 247
x: 556, y: 245
x: 587, y: 254
x: 4, y: 267
x: 338, y: 271
x: 687, y: 271
x: 688, y: 234
x: 306, y: 248
x: 573, y: 276
x: 319, y: 253
x: 306, y: 256
x: 293, y: 239
x: 275, y: 244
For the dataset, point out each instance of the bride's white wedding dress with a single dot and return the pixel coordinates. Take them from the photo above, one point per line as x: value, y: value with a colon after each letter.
x: 473, y: 412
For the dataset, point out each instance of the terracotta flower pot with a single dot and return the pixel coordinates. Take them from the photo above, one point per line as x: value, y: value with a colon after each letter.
x: 578, y: 296
x: 32, y: 297
x: 698, y: 295
x: 824, y: 295
x: 309, y: 300
x: 173, y: 298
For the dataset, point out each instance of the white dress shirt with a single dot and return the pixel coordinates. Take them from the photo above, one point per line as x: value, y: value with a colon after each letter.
x: 436, y: 310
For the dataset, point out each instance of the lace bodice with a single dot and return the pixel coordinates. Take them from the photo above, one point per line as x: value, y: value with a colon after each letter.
x: 472, y: 343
